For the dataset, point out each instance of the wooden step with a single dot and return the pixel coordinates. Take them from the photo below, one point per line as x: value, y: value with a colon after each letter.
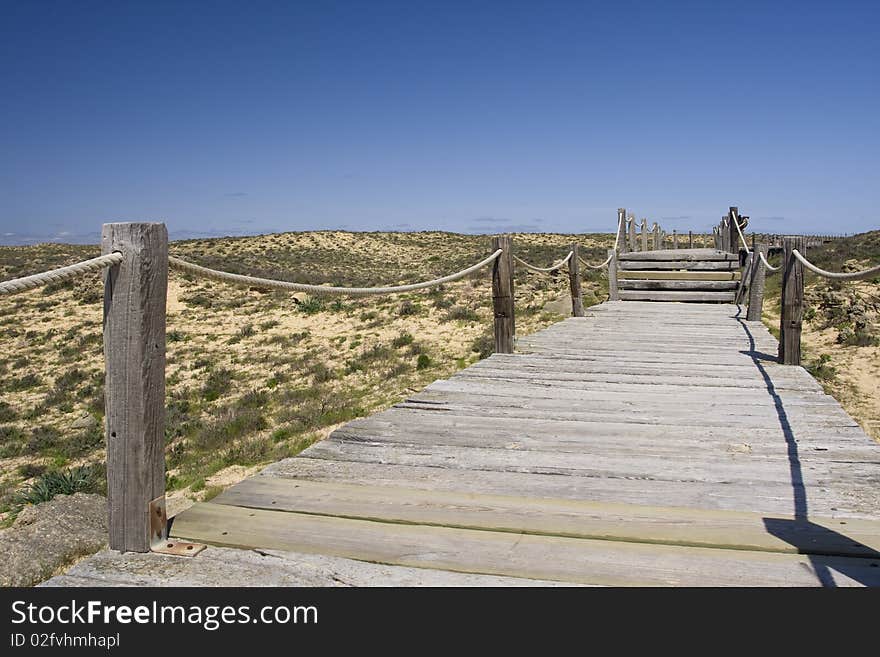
x: 676, y: 295
x: 687, y: 255
x: 533, y: 556
x: 681, y: 275
x: 688, y: 265
x: 558, y: 517
x: 641, y: 284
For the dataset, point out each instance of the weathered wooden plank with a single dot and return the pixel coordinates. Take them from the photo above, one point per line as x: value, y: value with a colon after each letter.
x: 134, y: 355
x: 660, y: 295
x: 560, y: 517
x: 792, y: 316
x: 699, y: 265
x: 767, y: 498
x: 670, y: 284
x: 502, y: 295
x: 519, y: 555
x: 681, y: 275
x: 686, y: 255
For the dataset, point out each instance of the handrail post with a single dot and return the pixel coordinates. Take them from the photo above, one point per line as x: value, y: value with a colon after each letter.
x: 690, y: 239
x: 613, y: 292
x: 632, y: 233
x: 574, y: 282
x: 644, y: 234
x: 621, y: 230
x: 756, y: 284
x: 134, y: 356
x: 674, y: 239
x: 656, y: 236
x: 792, y: 316
x: 734, y: 233
x: 502, y: 295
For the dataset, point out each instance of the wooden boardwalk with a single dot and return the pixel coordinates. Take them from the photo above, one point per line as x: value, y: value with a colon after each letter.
x: 642, y: 444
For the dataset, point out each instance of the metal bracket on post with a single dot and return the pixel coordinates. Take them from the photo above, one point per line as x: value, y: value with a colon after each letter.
x: 159, y: 541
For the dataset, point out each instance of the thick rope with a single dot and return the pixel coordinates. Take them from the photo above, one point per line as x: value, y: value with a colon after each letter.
x: 741, y: 236
x: 61, y: 274
x: 767, y: 264
x: 240, y: 279
x: 843, y: 276
x: 614, y: 250
x: 545, y: 270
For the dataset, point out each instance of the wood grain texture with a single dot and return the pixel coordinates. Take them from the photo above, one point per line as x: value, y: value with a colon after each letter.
x: 502, y: 296
x: 134, y: 354
x: 644, y: 443
x: 756, y: 284
x: 613, y: 289
x: 574, y: 282
x: 792, y: 316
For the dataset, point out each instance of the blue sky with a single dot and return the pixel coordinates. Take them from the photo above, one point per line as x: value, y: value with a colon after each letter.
x: 250, y: 117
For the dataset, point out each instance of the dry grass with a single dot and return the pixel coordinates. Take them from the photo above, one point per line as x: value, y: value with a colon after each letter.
x: 841, y: 334
x: 254, y: 376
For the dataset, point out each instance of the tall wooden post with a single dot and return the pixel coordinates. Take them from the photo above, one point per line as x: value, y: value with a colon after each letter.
x: 613, y: 292
x: 644, y: 234
x: 632, y: 233
x: 657, y: 244
x: 732, y: 227
x: 502, y: 295
x: 792, y: 317
x: 674, y: 239
x: 134, y: 356
x: 574, y: 282
x: 690, y: 239
x: 723, y: 229
x: 756, y: 284
x: 621, y: 229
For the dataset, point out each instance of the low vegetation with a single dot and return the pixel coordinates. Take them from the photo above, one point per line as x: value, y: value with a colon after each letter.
x: 841, y: 334
x: 252, y: 375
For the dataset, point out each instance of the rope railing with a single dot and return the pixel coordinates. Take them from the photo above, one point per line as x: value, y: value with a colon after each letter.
x: 25, y: 283
x: 613, y: 249
x: 241, y: 279
x: 545, y: 270
x: 843, y: 276
x: 769, y: 267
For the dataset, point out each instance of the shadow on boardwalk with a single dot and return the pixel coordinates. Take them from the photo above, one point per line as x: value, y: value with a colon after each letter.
x: 800, y: 532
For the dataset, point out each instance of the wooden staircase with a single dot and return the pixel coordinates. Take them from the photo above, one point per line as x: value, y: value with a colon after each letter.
x: 678, y: 275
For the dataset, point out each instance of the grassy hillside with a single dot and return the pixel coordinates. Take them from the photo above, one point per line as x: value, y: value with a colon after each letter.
x: 252, y: 376
x: 841, y: 337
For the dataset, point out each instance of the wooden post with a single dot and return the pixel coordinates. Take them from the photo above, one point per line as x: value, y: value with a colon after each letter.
x: 621, y: 229
x: 613, y: 292
x: 745, y: 277
x: 657, y: 236
x: 723, y: 228
x: 644, y: 234
x: 716, y: 238
x: 134, y: 356
x: 574, y: 282
x: 674, y: 239
x: 632, y: 233
x: 734, y: 233
x: 690, y: 239
x: 792, y: 316
x: 756, y: 284
x: 502, y: 295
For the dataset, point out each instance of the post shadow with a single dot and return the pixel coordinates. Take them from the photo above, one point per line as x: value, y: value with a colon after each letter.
x: 824, y: 547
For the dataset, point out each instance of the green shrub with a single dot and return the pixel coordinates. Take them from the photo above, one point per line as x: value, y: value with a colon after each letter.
x: 423, y: 362
x: 311, y: 306
x: 461, y: 313
x: 7, y: 413
x: 402, y: 340
x: 83, y: 479
x: 484, y: 345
